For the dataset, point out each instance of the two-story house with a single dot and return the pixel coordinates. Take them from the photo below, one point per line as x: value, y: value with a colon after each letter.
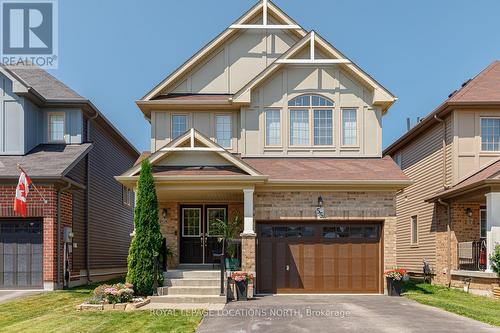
x: 272, y: 123
x: 71, y: 152
x: 450, y: 216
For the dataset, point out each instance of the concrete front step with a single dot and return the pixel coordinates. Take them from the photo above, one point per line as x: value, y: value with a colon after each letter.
x: 191, y: 282
x: 191, y: 274
x: 214, y: 291
x: 199, y: 267
x: 188, y: 299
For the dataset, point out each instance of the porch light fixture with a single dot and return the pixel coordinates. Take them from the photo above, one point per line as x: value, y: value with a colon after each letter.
x: 468, y: 212
x: 164, y: 214
x: 320, y: 201
x: 320, y: 210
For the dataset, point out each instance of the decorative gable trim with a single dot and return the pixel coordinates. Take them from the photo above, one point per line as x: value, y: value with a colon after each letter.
x: 187, y: 142
x: 201, y: 55
x: 382, y: 96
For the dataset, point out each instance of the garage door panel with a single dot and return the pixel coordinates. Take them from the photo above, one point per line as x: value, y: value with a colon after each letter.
x: 327, y: 258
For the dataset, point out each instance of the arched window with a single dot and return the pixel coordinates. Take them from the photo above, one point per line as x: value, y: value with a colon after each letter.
x: 307, y: 109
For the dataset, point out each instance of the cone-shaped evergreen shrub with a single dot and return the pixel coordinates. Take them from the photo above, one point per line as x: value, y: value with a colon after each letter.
x: 146, y: 243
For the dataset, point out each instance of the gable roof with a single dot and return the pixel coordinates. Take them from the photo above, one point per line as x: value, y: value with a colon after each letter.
x: 194, y: 138
x: 483, y: 90
x: 44, y: 161
x: 218, y: 41
x: 382, y: 95
x: 486, y: 175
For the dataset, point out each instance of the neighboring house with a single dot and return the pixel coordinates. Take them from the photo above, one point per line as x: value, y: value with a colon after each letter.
x: 453, y: 157
x: 273, y: 124
x: 71, y: 152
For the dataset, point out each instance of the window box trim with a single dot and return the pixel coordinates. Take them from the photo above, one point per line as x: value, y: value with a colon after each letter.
x: 188, y: 123
x: 356, y: 109
x: 230, y: 115
x: 488, y: 152
x: 280, y: 145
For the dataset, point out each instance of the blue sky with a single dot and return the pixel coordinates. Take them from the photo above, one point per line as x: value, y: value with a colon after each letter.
x: 113, y: 52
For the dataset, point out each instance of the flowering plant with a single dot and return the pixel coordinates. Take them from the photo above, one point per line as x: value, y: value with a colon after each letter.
x: 117, y: 293
x: 242, y: 276
x: 396, y: 274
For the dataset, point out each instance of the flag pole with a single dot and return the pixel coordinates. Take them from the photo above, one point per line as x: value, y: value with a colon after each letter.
x: 34, y: 186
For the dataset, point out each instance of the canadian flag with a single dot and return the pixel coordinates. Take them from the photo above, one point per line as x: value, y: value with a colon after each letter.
x: 22, y: 190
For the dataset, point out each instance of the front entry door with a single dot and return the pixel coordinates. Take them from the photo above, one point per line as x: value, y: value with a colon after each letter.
x: 198, y: 242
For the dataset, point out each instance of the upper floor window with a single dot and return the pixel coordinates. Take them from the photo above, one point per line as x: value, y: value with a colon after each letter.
x: 349, y: 127
x: 273, y: 127
x: 223, y: 130
x: 127, y: 196
x: 490, y: 134
x: 56, y: 127
x: 320, y: 109
x: 398, y: 159
x: 179, y: 125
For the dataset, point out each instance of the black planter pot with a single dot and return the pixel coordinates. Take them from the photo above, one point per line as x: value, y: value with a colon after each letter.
x: 393, y: 287
x: 241, y: 290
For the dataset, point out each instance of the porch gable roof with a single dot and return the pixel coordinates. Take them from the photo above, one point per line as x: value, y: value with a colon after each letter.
x: 486, y: 176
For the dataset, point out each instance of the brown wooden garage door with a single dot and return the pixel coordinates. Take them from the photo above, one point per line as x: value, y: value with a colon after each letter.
x: 319, y: 258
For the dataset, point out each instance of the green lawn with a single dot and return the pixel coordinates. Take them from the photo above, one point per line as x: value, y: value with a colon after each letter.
x: 56, y: 312
x: 476, y: 307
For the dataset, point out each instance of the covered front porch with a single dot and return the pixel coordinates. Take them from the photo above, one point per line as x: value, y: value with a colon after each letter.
x: 468, y: 230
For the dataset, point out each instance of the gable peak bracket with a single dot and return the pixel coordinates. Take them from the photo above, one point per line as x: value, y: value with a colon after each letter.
x: 265, y: 21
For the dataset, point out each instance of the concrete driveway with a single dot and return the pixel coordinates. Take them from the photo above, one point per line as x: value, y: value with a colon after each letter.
x: 338, y: 313
x: 8, y: 295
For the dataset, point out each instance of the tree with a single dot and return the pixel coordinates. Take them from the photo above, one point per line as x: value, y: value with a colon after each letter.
x: 147, y: 239
x: 495, y: 260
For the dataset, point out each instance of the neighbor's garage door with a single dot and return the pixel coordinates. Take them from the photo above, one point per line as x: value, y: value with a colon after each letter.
x: 21, y: 254
x: 319, y: 258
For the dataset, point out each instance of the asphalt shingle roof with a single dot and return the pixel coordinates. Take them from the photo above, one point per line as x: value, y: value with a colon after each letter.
x: 44, y: 161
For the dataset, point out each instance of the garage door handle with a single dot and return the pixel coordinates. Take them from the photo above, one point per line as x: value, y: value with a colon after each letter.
x: 287, y: 267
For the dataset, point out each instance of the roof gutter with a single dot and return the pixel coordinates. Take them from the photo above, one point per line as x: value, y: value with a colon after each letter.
x: 445, y: 185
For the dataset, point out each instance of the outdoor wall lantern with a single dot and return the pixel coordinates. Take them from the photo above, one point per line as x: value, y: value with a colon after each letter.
x: 320, y: 210
x: 468, y: 212
x: 164, y: 214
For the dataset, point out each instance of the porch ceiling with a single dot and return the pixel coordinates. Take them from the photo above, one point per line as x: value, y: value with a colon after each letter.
x: 214, y: 195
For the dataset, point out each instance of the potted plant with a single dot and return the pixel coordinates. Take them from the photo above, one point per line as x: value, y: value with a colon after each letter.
x: 394, y: 278
x: 228, y: 232
x: 241, y: 280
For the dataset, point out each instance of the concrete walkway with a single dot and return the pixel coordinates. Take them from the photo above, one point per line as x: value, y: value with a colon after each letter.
x: 336, y: 313
x: 8, y: 295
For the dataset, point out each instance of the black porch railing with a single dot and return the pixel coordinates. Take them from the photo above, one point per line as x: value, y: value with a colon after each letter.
x: 472, y: 255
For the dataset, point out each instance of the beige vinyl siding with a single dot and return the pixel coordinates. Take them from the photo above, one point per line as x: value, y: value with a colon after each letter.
x: 421, y: 160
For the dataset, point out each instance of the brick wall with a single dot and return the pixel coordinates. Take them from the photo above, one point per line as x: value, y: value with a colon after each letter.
x: 48, y: 213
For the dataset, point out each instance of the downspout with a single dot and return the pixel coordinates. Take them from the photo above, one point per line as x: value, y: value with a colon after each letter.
x: 445, y: 185
x: 58, y: 270
x: 448, y: 230
x: 87, y: 198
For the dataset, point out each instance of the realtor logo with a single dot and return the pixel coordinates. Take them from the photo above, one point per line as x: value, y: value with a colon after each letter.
x: 29, y: 33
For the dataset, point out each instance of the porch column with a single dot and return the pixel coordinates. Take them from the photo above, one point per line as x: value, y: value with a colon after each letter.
x: 248, y: 222
x: 492, y: 225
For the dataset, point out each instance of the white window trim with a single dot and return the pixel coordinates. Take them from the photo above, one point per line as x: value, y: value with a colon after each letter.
x: 49, y: 131
x: 208, y: 215
x: 201, y: 221
x: 481, y: 136
x: 480, y: 213
x: 310, y: 109
x: 280, y: 145
x: 230, y: 115
x: 356, y: 109
x: 188, y: 121
x: 412, y: 243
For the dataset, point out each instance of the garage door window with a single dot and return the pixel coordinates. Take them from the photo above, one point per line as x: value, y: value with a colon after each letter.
x: 346, y: 231
x: 286, y: 231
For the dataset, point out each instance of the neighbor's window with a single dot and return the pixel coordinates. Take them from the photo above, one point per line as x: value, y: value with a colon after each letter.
x: 490, y: 134
x: 273, y: 128
x: 56, y: 127
x: 127, y: 196
x: 414, y: 230
x: 301, y: 108
x: 223, y: 130
x: 349, y: 127
x: 483, y: 224
x: 398, y: 159
x: 179, y: 125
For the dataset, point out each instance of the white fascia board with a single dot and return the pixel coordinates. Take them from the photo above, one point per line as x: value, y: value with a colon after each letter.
x: 312, y: 61
x: 266, y: 26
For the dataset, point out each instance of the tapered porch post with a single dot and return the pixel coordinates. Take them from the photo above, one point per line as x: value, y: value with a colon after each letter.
x: 492, y: 225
